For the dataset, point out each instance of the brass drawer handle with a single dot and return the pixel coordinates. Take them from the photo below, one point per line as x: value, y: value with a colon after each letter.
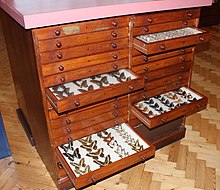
x: 59, y: 44
x: 114, y: 45
x: 93, y: 179
x: 68, y: 121
x: 62, y: 79
x: 163, y: 120
x: 189, y: 14
x: 77, y: 104
x: 145, y: 69
x: 201, y: 38
x: 146, y: 59
x: 183, y: 51
x: 61, y: 67
x: 59, y: 55
x: 142, y: 157
x: 115, y: 114
x: 69, y: 139
x: 114, y: 23
x: 131, y: 87
x: 115, y: 66
x: 182, y: 59
x: 150, y: 20
x: 145, y: 79
x: 162, y: 47
x: 59, y: 165
x: 115, y: 56
x: 115, y: 106
x: 182, y: 67
x: 180, y: 77
x: 185, y: 23
x: 57, y: 32
x: 114, y: 34
x: 68, y: 130
x: 146, y: 29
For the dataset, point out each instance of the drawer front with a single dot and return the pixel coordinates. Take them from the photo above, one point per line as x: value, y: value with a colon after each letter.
x: 114, y: 159
x: 163, y: 108
x: 91, y: 90
x: 83, y: 62
x: 164, y: 26
x: 197, y: 37
x: 160, y: 64
x: 138, y: 58
x: 80, y: 28
x: 83, y: 124
x: 164, y: 17
x: 82, y: 39
x: 71, y: 118
x: 84, y: 72
x: 81, y: 51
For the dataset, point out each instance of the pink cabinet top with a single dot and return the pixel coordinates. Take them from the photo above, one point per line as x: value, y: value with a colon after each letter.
x: 38, y: 13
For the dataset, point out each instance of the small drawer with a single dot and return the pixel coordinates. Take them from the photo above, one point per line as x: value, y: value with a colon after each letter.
x: 165, y: 107
x: 82, y: 39
x: 94, y: 157
x: 80, y: 28
x: 81, y: 51
x: 169, y: 40
x: 73, y: 95
x: 165, y: 17
x: 83, y: 124
x: 164, y: 26
x: 83, y: 62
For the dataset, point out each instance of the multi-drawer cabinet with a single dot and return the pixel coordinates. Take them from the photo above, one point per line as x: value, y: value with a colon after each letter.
x: 108, y: 91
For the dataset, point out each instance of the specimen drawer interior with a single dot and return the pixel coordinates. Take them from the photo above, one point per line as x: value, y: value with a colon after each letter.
x: 96, y: 156
x: 165, y: 107
x: 93, y: 89
x: 169, y: 40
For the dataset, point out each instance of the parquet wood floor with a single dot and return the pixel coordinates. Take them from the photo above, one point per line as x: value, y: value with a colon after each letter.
x: 190, y: 164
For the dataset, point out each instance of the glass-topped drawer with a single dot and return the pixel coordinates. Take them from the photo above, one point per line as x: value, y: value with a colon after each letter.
x: 169, y: 40
x: 102, y: 154
x: 165, y: 107
x: 93, y: 89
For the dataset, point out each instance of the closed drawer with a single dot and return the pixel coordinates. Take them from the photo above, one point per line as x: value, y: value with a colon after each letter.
x: 87, y: 91
x: 83, y: 124
x: 156, y: 65
x: 80, y: 28
x: 82, y: 39
x: 76, y: 74
x: 102, y: 154
x: 162, y: 108
x: 164, y: 26
x: 169, y: 40
x: 83, y: 62
x: 139, y: 58
x: 81, y: 51
x: 167, y: 16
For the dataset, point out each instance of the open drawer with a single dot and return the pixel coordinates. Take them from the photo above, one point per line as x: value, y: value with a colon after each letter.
x: 102, y: 154
x: 169, y: 40
x: 93, y: 89
x: 160, y: 109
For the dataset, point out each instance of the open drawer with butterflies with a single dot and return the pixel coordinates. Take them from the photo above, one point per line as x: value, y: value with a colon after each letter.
x: 75, y: 94
x: 160, y: 109
x: 96, y: 156
x: 169, y: 40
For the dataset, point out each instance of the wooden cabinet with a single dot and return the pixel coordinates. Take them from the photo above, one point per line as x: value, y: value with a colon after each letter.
x: 113, y: 90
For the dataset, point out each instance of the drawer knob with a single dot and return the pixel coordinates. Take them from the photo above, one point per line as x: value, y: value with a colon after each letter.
x: 115, y: 56
x: 114, y: 34
x: 62, y: 79
x: 68, y: 121
x: 198, y: 106
x: 114, y: 45
x: 146, y: 29
x: 59, y: 165
x: 59, y: 44
x: 59, y: 56
x: 115, y: 66
x: 114, y: 23
x: 163, y: 120
x: 77, y: 104
x: 131, y: 87
x: 182, y: 67
x: 183, y: 51
x: 144, y: 97
x: 115, y: 114
x: 145, y: 69
x: 185, y: 23
x: 162, y: 47
x: 142, y: 157
x: 68, y: 130
x: 57, y: 32
x: 70, y: 139
x: 150, y: 20
x: 146, y: 59
x: 115, y: 106
x: 182, y: 59
x: 202, y: 39
x: 189, y: 14
x: 93, y: 179
x: 146, y: 79
x: 61, y: 67
x: 180, y: 77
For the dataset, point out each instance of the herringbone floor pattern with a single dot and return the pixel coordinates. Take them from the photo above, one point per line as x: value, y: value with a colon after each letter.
x: 190, y: 164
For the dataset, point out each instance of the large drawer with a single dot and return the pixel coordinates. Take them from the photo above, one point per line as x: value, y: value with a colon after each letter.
x: 165, y: 17
x: 82, y: 39
x: 91, y: 90
x: 92, y: 158
x: 169, y: 40
x: 163, y: 108
x: 81, y: 28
